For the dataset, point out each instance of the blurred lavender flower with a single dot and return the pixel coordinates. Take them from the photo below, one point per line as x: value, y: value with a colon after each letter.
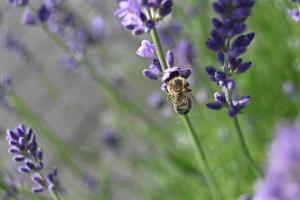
x: 12, y: 189
x: 228, y: 42
x: 155, y: 100
x: 110, y: 138
x: 24, y: 147
x: 288, y: 88
x: 18, y: 3
x: 185, y: 53
x: 29, y: 18
x: 6, y: 86
x: 91, y: 183
x: 10, y: 42
x: 69, y: 62
x: 132, y: 15
x: 294, y: 14
x: 169, y: 32
x: 282, y: 178
x: 97, y: 27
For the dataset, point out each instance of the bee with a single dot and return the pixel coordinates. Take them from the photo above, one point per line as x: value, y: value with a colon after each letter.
x: 178, y: 90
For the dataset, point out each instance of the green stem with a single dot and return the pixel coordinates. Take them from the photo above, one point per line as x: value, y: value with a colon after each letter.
x: 158, y: 48
x: 55, y: 196
x: 228, y: 95
x: 212, y: 184
x: 157, y: 43
x: 245, y: 148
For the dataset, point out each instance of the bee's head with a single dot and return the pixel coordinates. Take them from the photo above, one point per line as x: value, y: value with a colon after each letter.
x: 177, y: 83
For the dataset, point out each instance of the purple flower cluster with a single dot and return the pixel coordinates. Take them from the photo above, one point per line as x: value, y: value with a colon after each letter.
x: 140, y: 16
x: 229, y: 42
x: 24, y: 147
x: 282, y: 178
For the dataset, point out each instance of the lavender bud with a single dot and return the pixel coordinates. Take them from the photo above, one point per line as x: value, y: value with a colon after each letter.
x: 18, y: 158
x: 170, y: 58
x: 37, y: 189
x: 230, y: 84
x: 30, y: 165
x: 214, y: 105
x: 24, y: 169
x: 38, y: 179
x: 43, y: 13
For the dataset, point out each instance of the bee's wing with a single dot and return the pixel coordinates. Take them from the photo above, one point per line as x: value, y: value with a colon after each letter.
x: 195, y: 104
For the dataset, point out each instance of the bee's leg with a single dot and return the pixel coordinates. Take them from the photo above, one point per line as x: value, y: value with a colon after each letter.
x: 170, y: 97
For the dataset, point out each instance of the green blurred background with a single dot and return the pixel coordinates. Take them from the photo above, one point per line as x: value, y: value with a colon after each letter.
x: 150, y: 162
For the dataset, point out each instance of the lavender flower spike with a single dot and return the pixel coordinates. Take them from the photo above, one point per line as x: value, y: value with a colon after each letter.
x: 133, y: 17
x: 282, y: 179
x: 229, y: 43
x: 29, y: 155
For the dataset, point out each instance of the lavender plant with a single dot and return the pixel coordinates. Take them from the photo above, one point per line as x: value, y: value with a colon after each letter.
x: 229, y: 42
x: 142, y: 17
x: 282, y: 173
x: 24, y: 147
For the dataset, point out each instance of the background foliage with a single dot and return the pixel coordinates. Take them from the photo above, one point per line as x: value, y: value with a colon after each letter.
x: 151, y: 160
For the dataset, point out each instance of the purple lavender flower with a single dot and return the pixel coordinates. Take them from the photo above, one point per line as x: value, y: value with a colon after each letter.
x: 29, y: 18
x: 154, y: 70
x: 282, y: 180
x: 172, y: 72
x: 146, y: 50
x: 24, y: 147
x: 294, y: 14
x: 132, y: 16
x: 229, y: 43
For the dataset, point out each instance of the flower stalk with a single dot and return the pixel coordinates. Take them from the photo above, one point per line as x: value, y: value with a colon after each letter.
x: 212, y: 184
x: 203, y: 162
x: 228, y: 95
